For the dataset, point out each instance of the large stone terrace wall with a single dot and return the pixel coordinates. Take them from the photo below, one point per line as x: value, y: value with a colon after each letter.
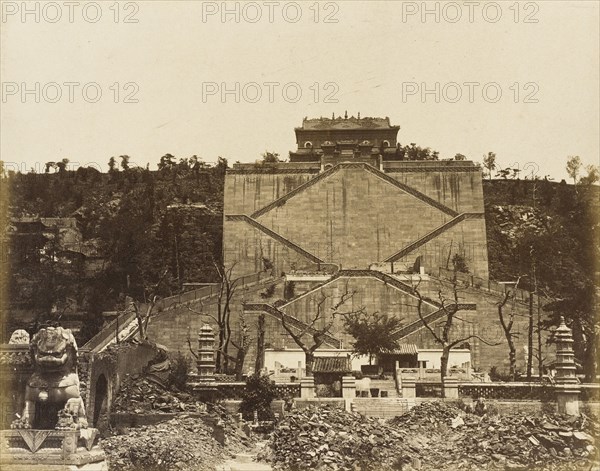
x: 352, y: 215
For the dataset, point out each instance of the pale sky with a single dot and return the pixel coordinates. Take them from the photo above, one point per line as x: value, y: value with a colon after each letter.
x: 172, y: 57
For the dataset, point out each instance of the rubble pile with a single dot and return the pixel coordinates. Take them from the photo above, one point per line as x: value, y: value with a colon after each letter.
x: 139, y: 394
x: 182, y: 443
x: 327, y: 438
x: 442, y: 432
x: 432, y: 436
x: 428, y: 414
x: 545, y: 441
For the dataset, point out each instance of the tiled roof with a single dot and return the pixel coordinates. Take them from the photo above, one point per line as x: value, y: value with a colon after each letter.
x: 404, y: 349
x: 346, y: 123
x: 332, y: 365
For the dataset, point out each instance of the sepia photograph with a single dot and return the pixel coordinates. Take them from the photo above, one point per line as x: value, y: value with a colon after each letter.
x: 352, y: 235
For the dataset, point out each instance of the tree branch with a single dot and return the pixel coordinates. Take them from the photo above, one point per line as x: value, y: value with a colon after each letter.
x: 456, y: 342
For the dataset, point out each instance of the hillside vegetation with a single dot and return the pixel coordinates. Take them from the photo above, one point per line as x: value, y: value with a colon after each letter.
x: 148, y: 224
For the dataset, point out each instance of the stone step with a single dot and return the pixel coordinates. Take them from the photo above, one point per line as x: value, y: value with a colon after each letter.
x: 381, y: 407
x: 388, y: 385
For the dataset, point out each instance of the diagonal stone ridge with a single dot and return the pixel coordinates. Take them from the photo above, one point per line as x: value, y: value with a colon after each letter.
x: 432, y: 235
x: 369, y: 168
x: 273, y: 311
x: 408, y: 189
x: 282, y: 200
x: 274, y: 235
x: 431, y: 317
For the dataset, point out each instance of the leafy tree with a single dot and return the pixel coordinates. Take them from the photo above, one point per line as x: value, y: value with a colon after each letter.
x: 372, y: 332
x: 167, y: 162
x: 557, y: 219
x: 270, y: 157
x: 489, y: 162
x: 221, y: 166
x: 503, y: 173
x: 62, y: 165
x: 257, y: 396
x: 460, y: 157
x: 574, y: 167
x: 112, y: 165
x: 593, y: 175
x: 459, y: 263
x: 415, y: 152
x: 125, y: 162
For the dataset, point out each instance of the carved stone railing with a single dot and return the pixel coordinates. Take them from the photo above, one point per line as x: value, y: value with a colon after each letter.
x: 484, y: 284
x: 532, y: 391
x: 125, y: 319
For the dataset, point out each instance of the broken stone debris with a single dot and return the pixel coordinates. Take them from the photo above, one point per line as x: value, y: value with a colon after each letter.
x: 432, y: 436
x: 330, y: 438
x: 182, y: 443
x: 139, y: 394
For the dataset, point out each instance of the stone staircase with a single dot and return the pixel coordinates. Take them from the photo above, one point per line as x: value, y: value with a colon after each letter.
x: 388, y: 385
x: 408, y: 189
x: 385, y: 408
x: 125, y: 325
x: 432, y: 317
x: 432, y: 235
x: 369, y: 168
x: 297, y: 324
x: 283, y: 199
x: 274, y: 235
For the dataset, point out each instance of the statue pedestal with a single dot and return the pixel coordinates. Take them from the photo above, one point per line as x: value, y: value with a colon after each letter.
x: 29, y: 449
x: 203, y: 387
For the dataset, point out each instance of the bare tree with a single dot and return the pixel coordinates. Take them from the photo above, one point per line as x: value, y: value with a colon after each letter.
x: 242, y: 346
x: 227, y: 289
x: 318, y: 334
x: 507, y: 321
x: 445, y: 338
x: 143, y: 318
x: 222, y: 319
x: 260, y: 344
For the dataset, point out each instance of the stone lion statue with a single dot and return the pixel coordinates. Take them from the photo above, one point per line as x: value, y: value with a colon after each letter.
x: 54, y: 383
